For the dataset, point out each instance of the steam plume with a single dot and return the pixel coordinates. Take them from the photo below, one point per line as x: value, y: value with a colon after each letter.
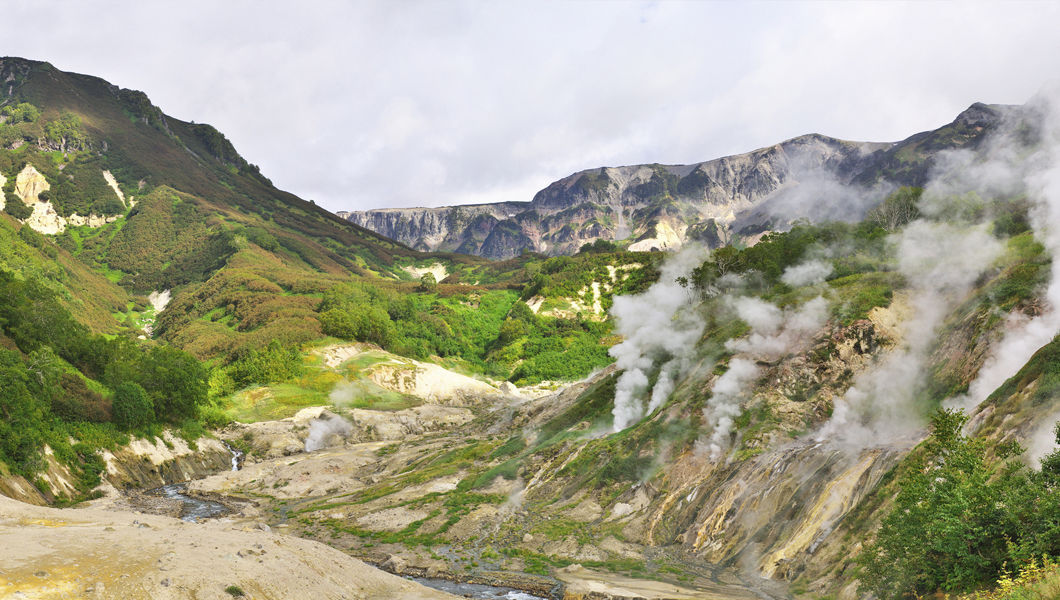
x: 342, y: 394
x: 775, y: 332
x: 1042, y: 441
x: 807, y: 273
x: 322, y: 428
x: 658, y: 325
x: 1006, y: 171
x: 940, y: 262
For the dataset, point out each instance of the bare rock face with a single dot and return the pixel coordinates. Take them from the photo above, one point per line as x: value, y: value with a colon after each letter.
x: 660, y: 207
x: 31, y: 183
x: 461, y: 228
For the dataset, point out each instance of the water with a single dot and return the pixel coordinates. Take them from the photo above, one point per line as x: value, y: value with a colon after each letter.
x: 237, y: 456
x: 475, y: 590
x: 194, y: 509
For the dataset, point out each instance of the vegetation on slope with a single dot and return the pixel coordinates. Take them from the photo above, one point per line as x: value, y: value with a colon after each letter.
x: 60, y: 382
x: 963, y: 516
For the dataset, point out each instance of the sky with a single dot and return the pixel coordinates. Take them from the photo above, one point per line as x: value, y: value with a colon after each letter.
x: 395, y: 103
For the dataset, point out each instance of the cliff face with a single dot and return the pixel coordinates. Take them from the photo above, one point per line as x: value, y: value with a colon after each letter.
x: 455, y: 228
x: 662, y: 206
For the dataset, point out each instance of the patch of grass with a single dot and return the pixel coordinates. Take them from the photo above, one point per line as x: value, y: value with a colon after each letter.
x: 268, y: 403
x: 508, y: 470
x: 513, y: 446
x: 859, y: 293
x: 593, y: 406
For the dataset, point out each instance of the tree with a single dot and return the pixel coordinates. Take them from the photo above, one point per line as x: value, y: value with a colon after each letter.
x: 959, y: 517
x: 132, y: 407
x: 17, y: 208
x: 898, y: 209
x: 21, y: 415
x: 176, y: 382
x: 428, y: 283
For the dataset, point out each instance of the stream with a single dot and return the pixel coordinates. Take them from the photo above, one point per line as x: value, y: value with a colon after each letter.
x: 475, y: 590
x: 194, y: 509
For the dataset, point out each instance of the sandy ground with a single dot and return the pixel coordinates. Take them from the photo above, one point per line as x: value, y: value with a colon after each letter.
x: 333, y: 470
x: 581, y: 581
x: 100, y: 553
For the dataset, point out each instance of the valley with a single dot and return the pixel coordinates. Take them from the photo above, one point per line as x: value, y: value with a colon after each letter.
x: 821, y: 370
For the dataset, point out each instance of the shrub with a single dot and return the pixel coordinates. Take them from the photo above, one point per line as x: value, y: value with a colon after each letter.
x: 76, y: 402
x: 960, y: 517
x: 17, y: 208
x: 132, y: 407
x: 428, y: 283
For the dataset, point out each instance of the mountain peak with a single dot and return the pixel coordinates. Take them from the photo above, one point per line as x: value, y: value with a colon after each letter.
x: 981, y: 115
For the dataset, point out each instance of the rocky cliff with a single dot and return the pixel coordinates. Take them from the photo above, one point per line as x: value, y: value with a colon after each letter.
x: 661, y: 206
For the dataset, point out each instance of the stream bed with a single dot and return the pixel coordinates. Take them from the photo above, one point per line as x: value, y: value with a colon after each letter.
x: 193, y: 509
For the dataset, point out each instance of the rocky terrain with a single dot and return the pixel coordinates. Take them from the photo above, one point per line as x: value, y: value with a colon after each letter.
x: 30, y: 184
x: 660, y: 207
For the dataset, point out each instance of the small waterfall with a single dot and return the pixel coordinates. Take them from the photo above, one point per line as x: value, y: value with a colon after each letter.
x: 237, y: 456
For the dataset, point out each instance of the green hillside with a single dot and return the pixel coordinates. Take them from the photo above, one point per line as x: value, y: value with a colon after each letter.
x: 255, y: 273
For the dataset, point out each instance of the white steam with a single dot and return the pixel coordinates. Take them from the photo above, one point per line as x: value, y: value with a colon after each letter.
x: 1042, y: 441
x: 941, y: 263
x: 323, y: 428
x: 1006, y: 171
x: 814, y: 193
x: 775, y: 333
x: 658, y: 325
x: 342, y: 394
x: 807, y: 273
x: 724, y: 404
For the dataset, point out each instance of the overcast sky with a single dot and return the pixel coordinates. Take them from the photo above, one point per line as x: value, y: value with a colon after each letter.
x: 362, y: 105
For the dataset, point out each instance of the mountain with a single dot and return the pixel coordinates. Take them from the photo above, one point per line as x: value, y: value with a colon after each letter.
x: 659, y: 207
x: 100, y: 127
x: 149, y: 273
x: 151, y: 202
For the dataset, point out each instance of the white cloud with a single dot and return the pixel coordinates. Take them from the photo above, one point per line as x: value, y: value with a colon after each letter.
x: 367, y: 104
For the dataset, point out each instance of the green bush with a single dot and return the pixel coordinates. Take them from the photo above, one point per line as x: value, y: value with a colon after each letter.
x: 132, y: 407
x: 17, y: 208
x: 961, y: 517
x: 23, y: 112
x: 273, y: 363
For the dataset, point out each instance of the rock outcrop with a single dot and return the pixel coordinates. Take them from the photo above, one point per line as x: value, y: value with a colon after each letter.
x: 31, y: 183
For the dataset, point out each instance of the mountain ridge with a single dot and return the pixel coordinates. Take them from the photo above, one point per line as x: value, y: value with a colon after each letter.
x: 655, y: 206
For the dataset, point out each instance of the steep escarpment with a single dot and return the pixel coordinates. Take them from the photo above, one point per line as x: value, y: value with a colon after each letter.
x: 459, y: 229
x: 662, y: 206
